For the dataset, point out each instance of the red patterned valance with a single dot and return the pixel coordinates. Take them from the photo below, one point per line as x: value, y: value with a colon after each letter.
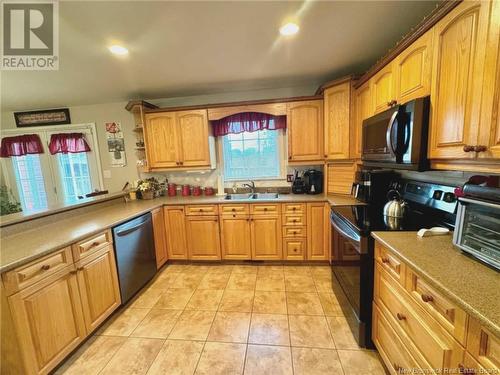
x: 68, y: 142
x: 248, y: 122
x: 21, y: 145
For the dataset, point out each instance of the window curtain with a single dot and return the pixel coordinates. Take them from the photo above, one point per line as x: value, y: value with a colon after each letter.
x: 68, y: 143
x: 247, y: 122
x: 21, y: 145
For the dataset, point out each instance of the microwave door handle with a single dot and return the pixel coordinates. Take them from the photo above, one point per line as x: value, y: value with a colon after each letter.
x: 388, y: 134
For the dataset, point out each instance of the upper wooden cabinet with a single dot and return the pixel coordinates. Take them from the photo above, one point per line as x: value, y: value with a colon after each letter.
x: 363, y: 108
x: 337, y: 108
x: 159, y: 237
x: 178, y: 140
x: 305, y: 131
x: 382, y: 88
x: 176, y: 232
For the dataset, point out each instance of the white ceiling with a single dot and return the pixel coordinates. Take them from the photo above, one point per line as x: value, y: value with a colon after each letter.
x: 192, y: 48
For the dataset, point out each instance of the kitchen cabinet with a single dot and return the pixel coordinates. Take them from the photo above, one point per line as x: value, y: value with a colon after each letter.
x: 382, y: 88
x: 339, y: 177
x: 483, y: 345
x: 265, y: 230
x: 305, y: 131
x: 176, y: 232
x: 159, y: 237
x: 318, y: 231
x: 178, y: 140
x: 363, y: 109
x: 337, y: 109
x: 236, y: 236
x: 98, y: 286
x: 202, y: 234
x: 294, y: 248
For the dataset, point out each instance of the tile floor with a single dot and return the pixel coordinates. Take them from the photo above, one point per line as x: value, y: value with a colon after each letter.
x: 229, y: 319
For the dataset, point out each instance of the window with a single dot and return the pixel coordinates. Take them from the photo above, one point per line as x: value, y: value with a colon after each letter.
x: 30, y: 182
x: 254, y: 155
x: 75, y: 175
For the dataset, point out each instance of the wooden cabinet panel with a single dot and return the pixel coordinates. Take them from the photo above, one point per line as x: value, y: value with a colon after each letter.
x: 390, y: 263
x: 265, y: 209
x: 193, y: 138
x: 382, y: 88
x: 266, y: 237
x: 99, y: 288
x: 459, y: 50
x: 176, y: 232
x: 89, y: 245
x: 159, y: 236
x: 337, y: 105
x: 340, y: 177
x: 294, y: 220
x: 363, y: 109
x: 317, y: 231
x: 294, y: 248
x: 199, y: 209
x: 305, y: 130
x: 294, y: 231
x: 483, y: 345
x: 48, y: 320
x: 413, y: 70
x: 236, y: 237
x: 202, y: 233
x: 232, y: 209
x: 161, y: 140
x: 294, y: 208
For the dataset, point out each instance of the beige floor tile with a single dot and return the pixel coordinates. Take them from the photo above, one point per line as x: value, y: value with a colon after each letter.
x: 270, y: 282
x: 187, y: 280
x: 299, y: 283
x: 198, y: 269
x: 230, y: 327
x: 246, y: 269
x: 205, y: 299
x: 321, y: 271
x: 237, y: 301
x: 214, y: 281
x: 269, y: 302
x: 221, y: 269
x: 146, y: 299
x: 273, y: 270
x: 361, y: 362
x: 323, y: 284
x: 92, y: 356
x: 177, y: 357
x: 303, y: 303
x: 242, y: 281
x: 192, y: 325
x: 268, y: 360
x: 309, y: 361
x: 175, y: 299
x: 270, y: 329
x: 124, y: 322
x: 175, y: 268
x: 157, y: 324
x: 134, y: 357
x: 222, y: 358
x: 310, y: 331
x: 341, y: 333
x: 330, y: 304
x: 164, y: 280
x: 297, y: 270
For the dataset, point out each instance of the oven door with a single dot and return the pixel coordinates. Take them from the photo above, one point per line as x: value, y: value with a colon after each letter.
x: 379, y: 136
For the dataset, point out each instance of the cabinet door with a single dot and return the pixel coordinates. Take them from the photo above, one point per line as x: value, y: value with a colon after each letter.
x: 159, y: 235
x: 382, y: 88
x: 459, y: 49
x: 317, y: 231
x: 413, y: 70
x: 176, y: 232
x: 305, y: 130
x: 99, y: 288
x: 203, y: 240
x: 236, y: 240
x: 266, y: 238
x: 49, y: 321
x: 339, y: 177
x: 363, y: 109
x: 337, y: 102
x: 193, y: 138
x: 160, y: 135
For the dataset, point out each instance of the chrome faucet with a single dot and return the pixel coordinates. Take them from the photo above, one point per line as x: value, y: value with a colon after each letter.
x: 251, y: 186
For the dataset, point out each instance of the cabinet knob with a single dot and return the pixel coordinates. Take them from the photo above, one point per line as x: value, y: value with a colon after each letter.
x: 234, y: 215
x: 45, y: 267
x: 480, y: 148
x: 289, y: 158
x: 201, y: 210
x: 295, y: 250
x: 400, y: 316
x: 294, y: 220
x: 325, y: 156
x: 427, y: 298
x: 468, y: 148
x: 233, y: 209
x: 94, y: 244
x: 385, y: 260
x: 294, y: 208
x: 215, y: 220
x: 265, y: 208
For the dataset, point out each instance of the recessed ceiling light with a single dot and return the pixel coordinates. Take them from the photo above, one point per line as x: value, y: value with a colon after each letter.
x: 289, y: 29
x: 118, y: 50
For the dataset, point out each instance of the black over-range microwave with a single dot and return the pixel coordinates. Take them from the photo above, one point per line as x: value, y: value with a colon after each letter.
x: 397, y: 137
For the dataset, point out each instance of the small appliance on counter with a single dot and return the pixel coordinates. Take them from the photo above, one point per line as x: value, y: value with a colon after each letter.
x: 313, y: 181
x: 372, y: 186
x: 298, y: 184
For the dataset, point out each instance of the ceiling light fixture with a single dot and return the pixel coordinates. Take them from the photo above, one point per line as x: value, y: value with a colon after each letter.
x: 289, y: 29
x: 118, y: 50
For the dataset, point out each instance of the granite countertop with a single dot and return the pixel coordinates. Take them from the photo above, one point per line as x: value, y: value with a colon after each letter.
x: 467, y: 282
x: 20, y: 248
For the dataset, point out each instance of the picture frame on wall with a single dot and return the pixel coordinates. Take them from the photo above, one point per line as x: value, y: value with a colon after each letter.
x: 58, y: 116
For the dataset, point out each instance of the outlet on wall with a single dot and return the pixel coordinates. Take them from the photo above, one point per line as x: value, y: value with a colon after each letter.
x: 289, y: 178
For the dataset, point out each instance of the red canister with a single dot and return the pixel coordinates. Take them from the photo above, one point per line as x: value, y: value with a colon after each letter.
x: 186, y: 190
x: 209, y: 190
x: 172, y: 190
x: 196, y: 191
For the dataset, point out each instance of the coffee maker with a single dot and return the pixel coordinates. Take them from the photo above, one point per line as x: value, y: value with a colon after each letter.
x: 313, y: 181
x: 372, y: 186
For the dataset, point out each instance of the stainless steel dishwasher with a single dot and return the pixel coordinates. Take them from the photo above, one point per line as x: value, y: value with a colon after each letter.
x: 135, y: 254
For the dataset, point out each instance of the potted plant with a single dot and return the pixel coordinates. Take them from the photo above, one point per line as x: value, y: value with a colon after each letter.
x: 8, y: 204
x: 148, y: 188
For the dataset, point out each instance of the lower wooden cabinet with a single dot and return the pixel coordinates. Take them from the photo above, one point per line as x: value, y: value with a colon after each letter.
x: 159, y: 236
x: 483, y: 345
x: 294, y: 248
x: 202, y: 233
x: 266, y: 237
x: 318, y: 231
x: 235, y: 237
x: 176, y: 232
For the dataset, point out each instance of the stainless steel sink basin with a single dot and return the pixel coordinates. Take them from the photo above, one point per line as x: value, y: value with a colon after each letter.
x: 256, y: 196
x: 265, y: 196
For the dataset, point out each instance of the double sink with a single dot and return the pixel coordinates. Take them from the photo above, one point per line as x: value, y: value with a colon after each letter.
x: 253, y: 196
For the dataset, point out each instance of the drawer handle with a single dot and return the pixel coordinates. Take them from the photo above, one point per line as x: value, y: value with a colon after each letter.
x: 265, y: 208
x: 427, y: 298
x: 468, y: 148
x: 94, y: 244
x: 400, y: 316
x: 480, y: 148
x: 45, y: 267
x: 294, y: 208
x: 294, y: 232
x: 234, y: 215
x: 294, y: 220
x: 385, y: 260
x: 201, y: 210
x: 233, y: 209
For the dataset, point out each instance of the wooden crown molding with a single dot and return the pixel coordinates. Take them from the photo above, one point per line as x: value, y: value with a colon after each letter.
x: 335, y: 82
x: 133, y: 103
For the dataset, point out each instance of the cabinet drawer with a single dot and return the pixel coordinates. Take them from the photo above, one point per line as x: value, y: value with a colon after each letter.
x: 390, y: 263
x: 234, y: 209
x: 199, y: 209
x: 294, y: 231
x: 89, y: 245
x: 23, y: 276
x: 294, y: 220
x: 483, y: 345
x: 451, y: 317
x: 438, y: 347
x: 294, y: 249
x: 264, y: 209
x: 294, y: 208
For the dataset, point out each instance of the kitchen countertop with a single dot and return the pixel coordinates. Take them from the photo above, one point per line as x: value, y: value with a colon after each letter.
x: 467, y: 282
x: 20, y: 248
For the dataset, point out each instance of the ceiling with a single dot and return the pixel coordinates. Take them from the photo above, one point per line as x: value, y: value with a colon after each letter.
x: 194, y: 48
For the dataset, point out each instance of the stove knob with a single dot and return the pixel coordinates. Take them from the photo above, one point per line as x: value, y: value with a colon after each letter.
x: 449, y: 197
x: 437, y: 194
